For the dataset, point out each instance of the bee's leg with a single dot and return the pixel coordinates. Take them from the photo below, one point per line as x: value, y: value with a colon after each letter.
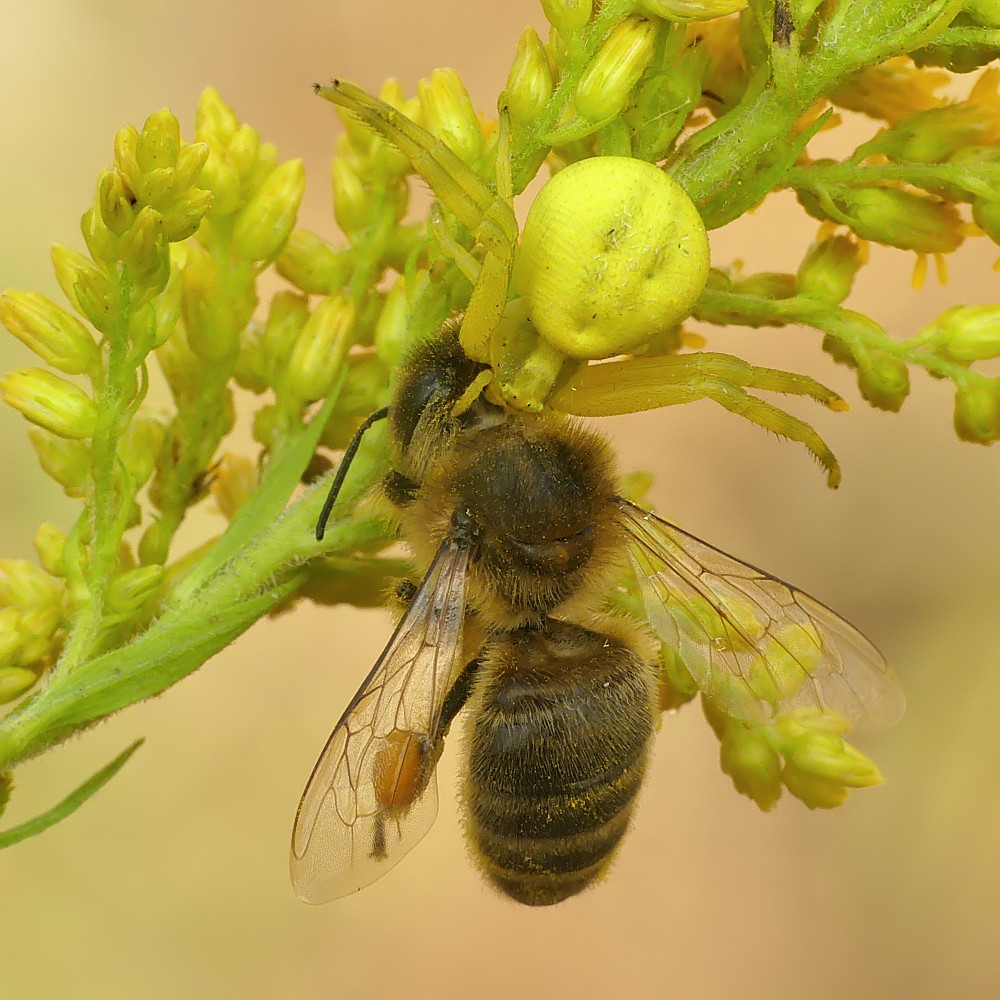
x: 398, y: 489
x: 456, y: 699
x: 649, y: 383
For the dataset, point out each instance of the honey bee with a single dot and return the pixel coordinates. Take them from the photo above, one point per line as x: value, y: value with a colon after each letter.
x: 516, y: 519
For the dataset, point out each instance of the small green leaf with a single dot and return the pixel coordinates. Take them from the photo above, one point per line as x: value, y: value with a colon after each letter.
x: 71, y: 803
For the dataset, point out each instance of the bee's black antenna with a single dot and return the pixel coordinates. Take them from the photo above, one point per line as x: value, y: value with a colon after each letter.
x: 345, y: 464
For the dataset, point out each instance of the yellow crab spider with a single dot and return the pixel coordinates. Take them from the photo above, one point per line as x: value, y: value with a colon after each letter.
x: 612, y: 252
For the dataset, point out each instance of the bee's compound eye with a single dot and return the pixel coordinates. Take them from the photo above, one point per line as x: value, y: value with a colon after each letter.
x: 399, y: 770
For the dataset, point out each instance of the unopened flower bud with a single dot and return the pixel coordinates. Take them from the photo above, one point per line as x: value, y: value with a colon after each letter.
x: 567, y: 16
x: 312, y: 264
x: 318, y: 355
x: 182, y: 216
x: 985, y: 13
x: 214, y: 121
x: 884, y: 381
x: 352, y: 204
x: 50, y: 402
x: 15, y: 681
x: 529, y: 84
x: 159, y: 141
x: 66, y: 461
x: 50, y: 543
x: 52, y: 333
x: 285, y: 319
x: 208, y: 317
x: 129, y: 591
x: 234, y: 483
x: 449, y: 114
x: 901, y: 219
x: 126, y: 156
x: 392, y: 328
x: 144, y: 250
x: 977, y: 412
x: 607, y: 83
x: 140, y: 445
x: 828, y: 270
x: 747, y: 757
x: 766, y: 285
x: 116, y: 201
x: 23, y: 585
x: 243, y: 150
x: 265, y: 223
x: 690, y: 10
x: 219, y: 177
x: 969, y: 333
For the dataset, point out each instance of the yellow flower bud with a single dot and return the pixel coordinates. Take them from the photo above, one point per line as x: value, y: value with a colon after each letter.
x: 15, y: 681
x: 167, y: 305
x: 126, y: 156
x: 52, y: 333
x: 983, y: 12
x: 449, y: 114
x: 312, y: 264
x: 50, y: 402
x: 567, y: 16
x: 251, y: 370
x: 190, y: 162
x: 234, y: 483
x: 902, y: 219
x: 969, y: 333
x: 884, y: 381
x: 140, y: 444
x: 214, y: 121
x: 101, y: 241
x: 285, y: 319
x: 690, y: 10
x: 159, y: 141
x: 529, y: 84
x: 144, y: 250
x: 265, y: 223
x: 243, y: 150
x: 612, y: 251
x: 66, y: 461
x: 265, y: 424
x: 23, y: 585
x: 766, y: 285
x: 97, y: 298
x: 130, y: 591
x: 37, y: 627
x: 219, y: 177
x: 747, y: 757
x: 116, y: 201
x: 352, y: 205
x: 207, y: 309
x: 828, y: 270
x: 10, y: 636
x: 607, y: 83
x: 977, y: 412
x: 366, y: 388
x: 392, y: 328
x: 182, y: 216
x: 815, y: 791
x: 318, y: 355
x: 69, y: 265
x: 50, y: 543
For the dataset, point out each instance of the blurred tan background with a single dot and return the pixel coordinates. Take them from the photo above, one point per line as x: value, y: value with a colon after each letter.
x: 172, y: 882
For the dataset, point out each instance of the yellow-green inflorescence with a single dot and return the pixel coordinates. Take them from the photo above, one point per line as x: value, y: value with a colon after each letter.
x: 715, y: 101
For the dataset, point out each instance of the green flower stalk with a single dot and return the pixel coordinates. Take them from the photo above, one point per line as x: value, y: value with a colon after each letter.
x: 717, y: 99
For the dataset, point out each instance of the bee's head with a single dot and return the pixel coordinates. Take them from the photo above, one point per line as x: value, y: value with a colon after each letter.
x: 432, y: 380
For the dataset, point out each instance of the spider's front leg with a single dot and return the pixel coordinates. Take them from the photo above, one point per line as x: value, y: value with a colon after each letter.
x: 488, y: 216
x: 648, y: 383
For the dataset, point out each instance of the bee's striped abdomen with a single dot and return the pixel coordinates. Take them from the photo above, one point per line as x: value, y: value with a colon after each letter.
x: 558, y: 750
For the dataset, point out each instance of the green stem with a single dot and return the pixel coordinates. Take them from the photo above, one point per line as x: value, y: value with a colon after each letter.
x: 982, y: 180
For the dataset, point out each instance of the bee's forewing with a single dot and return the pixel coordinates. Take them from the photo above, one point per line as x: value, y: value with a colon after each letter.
x: 344, y: 838
x: 755, y: 646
